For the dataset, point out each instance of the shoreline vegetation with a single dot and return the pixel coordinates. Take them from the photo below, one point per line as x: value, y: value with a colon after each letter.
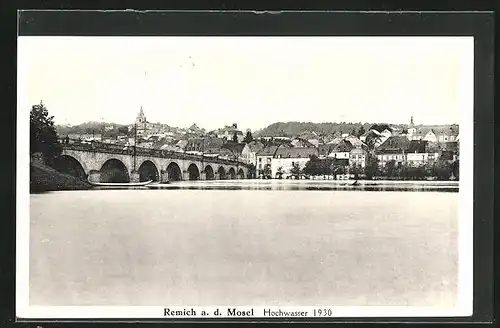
x: 43, y: 178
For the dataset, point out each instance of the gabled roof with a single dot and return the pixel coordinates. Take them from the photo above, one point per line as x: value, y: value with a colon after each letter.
x: 343, y: 146
x: 235, y: 148
x: 395, y: 144
x: 301, y: 142
x: 417, y: 146
x: 451, y: 130
x: 355, y: 141
x: 255, y: 146
x: 297, y: 152
x: 325, y: 149
x: 335, y: 141
x: 308, y: 135
x: 267, y: 151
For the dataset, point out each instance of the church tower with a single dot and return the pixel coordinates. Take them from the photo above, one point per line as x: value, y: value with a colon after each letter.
x: 411, y: 129
x: 140, y: 123
x: 141, y: 118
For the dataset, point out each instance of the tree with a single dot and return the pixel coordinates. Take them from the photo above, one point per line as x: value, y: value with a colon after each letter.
x: 442, y: 170
x: 43, y: 136
x: 252, y: 170
x: 356, y: 170
x: 248, y: 137
x: 267, y: 171
x: 371, y: 167
x: 371, y: 141
x: 235, y: 138
x: 296, y: 171
x: 456, y: 169
x: 314, y: 166
x: 279, y: 173
x: 123, y: 130
x: 361, y: 131
x: 390, y: 168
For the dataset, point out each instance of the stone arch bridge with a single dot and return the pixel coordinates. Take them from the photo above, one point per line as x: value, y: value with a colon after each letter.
x: 112, y: 163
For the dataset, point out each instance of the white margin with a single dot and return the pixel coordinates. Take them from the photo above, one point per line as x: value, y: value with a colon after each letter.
x: 465, y: 295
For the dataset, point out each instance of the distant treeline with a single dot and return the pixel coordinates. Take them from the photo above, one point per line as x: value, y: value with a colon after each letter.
x: 291, y: 129
x: 93, y: 127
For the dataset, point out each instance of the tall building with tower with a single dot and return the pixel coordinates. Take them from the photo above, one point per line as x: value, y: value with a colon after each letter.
x: 145, y: 128
x: 141, y: 123
x: 411, y: 127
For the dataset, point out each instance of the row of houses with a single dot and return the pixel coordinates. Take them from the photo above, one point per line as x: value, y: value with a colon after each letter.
x: 351, y: 151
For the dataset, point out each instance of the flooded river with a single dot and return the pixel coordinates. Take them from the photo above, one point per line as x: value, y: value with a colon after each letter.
x: 246, y: 243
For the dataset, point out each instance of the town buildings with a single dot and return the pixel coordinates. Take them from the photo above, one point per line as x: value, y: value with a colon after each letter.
x: 432, y: 133
x: 145, y: 128
x: 395, y: 148
x: 250, y: 150
x: 285, y: 158
x: 358, y: 157
x: 264, y: 161
x: 228, y: 132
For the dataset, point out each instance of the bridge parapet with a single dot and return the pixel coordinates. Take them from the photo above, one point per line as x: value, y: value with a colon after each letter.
x: 148, y: 152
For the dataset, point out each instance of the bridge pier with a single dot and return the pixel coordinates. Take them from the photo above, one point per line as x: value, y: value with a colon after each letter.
x: 185, y: 175
x: 95, y: 176
x: 203, y: 176
x: 164, y: 176
x: 135, y: 176
x: 216, y: 176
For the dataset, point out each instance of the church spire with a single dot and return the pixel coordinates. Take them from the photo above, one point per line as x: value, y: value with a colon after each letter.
x: 411, y: 122
x: 141, y: 112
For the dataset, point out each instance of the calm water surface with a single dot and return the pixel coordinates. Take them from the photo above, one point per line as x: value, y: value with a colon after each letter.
x: 252, y: 246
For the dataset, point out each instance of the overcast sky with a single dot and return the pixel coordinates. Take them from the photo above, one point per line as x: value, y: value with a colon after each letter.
x: 215, y: 81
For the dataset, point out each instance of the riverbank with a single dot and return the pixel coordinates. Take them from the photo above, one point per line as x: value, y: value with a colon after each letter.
x: 44, y: 178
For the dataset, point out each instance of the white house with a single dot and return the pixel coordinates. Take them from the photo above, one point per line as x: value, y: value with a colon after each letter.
x: 249, y: 152
x: 286, y: 158
x: 395, y: 148
x: 342, y: 150
x: 358, y: 157
x: 430, y: 136
x: 264, y: 159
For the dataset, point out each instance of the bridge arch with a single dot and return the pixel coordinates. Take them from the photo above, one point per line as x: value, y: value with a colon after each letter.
x: 113, y: 170
x: 174, y: 172
x: 148, y: 171
x: 209, y: 172
x: 69, y: 165
x: 241, y: 174
x: 193, y: 171
x: 222, y: 173
x: 231, y: 173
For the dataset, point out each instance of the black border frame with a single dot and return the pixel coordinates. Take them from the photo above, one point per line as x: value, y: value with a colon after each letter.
x: 311, y: 23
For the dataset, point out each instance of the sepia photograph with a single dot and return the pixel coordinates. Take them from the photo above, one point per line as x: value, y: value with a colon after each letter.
x: 247, y: 175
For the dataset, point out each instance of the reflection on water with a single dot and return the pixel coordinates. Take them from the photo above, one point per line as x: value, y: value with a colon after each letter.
x: 443, y: 186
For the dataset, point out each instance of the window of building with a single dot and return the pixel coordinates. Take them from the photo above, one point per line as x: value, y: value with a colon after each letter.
x: 260, y: 159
